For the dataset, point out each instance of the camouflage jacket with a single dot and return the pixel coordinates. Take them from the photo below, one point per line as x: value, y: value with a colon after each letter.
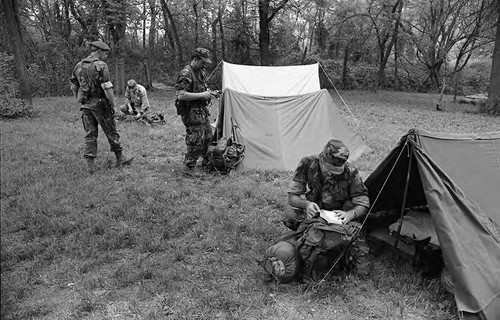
x: 86, y: 79
x: 195, y: 111
x: 138, y: 98
x: 330, y: 192
x: 191, y: 81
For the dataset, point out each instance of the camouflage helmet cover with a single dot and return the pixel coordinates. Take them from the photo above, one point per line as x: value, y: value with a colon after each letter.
x: 334, y: 156
x: 203, y: 54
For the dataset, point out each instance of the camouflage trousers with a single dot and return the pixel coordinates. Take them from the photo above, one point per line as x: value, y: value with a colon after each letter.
x: 91, y: 120
x: 198, y: 138
x: 358, y: 253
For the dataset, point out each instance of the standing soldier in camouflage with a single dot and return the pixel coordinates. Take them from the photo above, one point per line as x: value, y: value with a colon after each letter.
x: 91, y: 85
x: 330, y: 182
x: 193, y: 97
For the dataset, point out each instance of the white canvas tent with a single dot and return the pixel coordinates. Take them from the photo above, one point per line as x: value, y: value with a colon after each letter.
x: 280, y: 114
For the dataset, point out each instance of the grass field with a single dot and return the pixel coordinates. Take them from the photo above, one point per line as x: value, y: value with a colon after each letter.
x: 142, y: 242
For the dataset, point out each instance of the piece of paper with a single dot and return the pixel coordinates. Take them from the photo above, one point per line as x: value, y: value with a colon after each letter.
x: 330, y: 216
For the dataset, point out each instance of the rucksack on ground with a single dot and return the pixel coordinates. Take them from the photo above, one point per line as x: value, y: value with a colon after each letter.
x: 309, y: 250
x: 225, y: 154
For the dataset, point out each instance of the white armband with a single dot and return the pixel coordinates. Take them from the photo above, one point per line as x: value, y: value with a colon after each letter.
x: 107, y: 85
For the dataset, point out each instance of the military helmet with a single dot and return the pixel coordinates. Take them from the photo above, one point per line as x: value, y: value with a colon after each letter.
x: 203, y: 54
x: 334, y: 156
x: 100, y: 45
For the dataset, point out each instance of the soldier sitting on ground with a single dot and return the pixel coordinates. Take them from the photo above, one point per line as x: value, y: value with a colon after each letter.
x: 137, y: 103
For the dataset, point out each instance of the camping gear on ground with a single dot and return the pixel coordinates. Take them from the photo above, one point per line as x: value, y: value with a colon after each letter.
x: 154, y: 117
x: 316, y: 244
x: 282, y: 115
x: 282, y: 260
x: 224, y: 155
x: 457, y: 177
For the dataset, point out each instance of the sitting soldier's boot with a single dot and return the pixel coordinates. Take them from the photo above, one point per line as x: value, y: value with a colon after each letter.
x: 121, y: 160
x: 90, y: 165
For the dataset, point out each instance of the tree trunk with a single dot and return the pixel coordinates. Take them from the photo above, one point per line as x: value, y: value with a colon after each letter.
x: 385, y: 52
x: 144, y: 18
x: 396, y: 57
x: 175, y: 37
x: 264, y: 32
x: 214, y: 39
x: 344, y: 67
x: 196, y: 22
x: 221, y: 28
x: 168, y: 30
x: 494, y: 89
x: 151, y: 44
x: 117, y: 23
x: 11, y: 12
x: 265, y: 17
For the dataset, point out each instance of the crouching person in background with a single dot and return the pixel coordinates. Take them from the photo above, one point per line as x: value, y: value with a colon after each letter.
x: 137, y: 102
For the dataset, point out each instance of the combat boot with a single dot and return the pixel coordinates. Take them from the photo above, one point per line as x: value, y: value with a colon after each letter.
x: 121, y: 160
x: 90, y: 165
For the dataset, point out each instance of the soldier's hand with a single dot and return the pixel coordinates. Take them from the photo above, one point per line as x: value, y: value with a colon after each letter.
x: 215, y: 94
x: 312, y: 210
x: 206, y: 95
x: 345, y: 216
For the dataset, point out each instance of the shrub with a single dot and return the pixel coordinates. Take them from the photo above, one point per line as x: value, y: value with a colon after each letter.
x: 490, y: 106
x: 10, y: 104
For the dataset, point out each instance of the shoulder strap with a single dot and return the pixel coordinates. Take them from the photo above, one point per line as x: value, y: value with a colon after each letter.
x: 195, y: 79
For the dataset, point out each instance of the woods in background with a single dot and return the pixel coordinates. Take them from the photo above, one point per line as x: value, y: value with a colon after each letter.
x: 406, y: 45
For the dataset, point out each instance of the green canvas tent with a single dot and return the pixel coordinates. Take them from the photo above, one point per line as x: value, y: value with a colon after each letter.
x: 458, y: 177
x: 280, y: 114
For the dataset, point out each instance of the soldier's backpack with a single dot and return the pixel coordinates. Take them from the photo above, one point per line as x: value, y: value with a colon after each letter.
x: 316, y: 244
x: 225, y: 154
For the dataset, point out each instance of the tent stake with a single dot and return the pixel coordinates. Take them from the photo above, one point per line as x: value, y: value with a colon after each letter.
x: 403, y: 205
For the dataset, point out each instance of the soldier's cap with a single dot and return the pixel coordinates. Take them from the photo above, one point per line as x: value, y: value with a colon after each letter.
x: 100, y: 45
x: 131, y: 83
x: 203, y: 54
x: 334, y: 156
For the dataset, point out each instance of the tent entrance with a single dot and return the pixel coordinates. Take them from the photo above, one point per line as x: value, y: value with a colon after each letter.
x: 458, y: 177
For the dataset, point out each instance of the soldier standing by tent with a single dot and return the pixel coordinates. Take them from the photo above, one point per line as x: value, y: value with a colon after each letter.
x: 90, y: 82
x: 192, y: 100
x: 331, y: 183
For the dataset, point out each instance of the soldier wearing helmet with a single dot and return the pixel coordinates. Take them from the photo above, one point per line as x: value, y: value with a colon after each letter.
x: 193, y: 97
x: 329, y: 182
x: 91, y: 84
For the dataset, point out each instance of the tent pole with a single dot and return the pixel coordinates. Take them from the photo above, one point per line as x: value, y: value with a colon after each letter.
x: 403, y: 205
